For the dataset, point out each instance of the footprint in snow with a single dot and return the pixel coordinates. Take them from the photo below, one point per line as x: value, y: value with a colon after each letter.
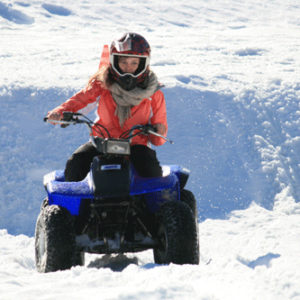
x: 249, y: 52
x: 56, y: 10
x: 264, y: 260
x: 14, y: 15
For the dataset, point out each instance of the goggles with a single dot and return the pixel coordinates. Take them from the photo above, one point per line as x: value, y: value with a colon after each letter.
x: 145, y: 60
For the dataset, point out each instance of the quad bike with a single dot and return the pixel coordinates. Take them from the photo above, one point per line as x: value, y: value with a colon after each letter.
x: 113, y: 210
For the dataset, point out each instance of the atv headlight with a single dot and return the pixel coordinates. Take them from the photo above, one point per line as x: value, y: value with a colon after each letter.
x: 118, y: 147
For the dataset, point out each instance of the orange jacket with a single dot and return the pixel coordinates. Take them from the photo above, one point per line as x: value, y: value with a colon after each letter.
x: 149, y: 111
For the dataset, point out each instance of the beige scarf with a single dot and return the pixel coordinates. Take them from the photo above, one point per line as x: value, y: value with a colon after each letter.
x: 125, y: 100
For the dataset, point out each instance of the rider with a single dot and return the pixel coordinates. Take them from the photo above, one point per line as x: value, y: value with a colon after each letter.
x: 127, y: 94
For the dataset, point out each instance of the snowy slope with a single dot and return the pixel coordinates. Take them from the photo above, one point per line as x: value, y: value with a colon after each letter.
x: 231, y: 75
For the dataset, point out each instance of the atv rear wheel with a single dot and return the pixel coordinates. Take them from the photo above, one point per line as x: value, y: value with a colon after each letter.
x: 55, y: 247
x: 176, y: 235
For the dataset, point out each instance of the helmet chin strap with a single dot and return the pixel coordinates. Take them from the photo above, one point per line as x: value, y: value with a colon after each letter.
x: 127, y: 82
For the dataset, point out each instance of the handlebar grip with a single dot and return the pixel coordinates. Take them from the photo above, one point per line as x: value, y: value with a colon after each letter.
x: 150, y: 127
x: 68, y: 115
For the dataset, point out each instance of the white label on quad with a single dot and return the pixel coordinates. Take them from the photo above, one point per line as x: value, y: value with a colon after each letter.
x: 110, y: 167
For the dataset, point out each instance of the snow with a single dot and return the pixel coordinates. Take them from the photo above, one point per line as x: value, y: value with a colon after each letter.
x: 231, y: 73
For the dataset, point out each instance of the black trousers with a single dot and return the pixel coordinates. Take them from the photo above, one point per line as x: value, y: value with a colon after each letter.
x: 143, y: 159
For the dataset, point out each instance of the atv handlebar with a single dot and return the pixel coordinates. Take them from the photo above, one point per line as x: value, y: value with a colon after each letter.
x: 78, y: 118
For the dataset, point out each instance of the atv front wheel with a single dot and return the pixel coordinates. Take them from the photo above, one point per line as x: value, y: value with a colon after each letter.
x: 177, y: 235
x: 188, y: 198
x: 55, y: 247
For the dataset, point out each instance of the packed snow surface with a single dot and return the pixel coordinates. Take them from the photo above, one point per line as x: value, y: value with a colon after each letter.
x: 231, y: 74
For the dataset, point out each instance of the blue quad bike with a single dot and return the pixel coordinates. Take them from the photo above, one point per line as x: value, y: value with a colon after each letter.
x: 113, y: 210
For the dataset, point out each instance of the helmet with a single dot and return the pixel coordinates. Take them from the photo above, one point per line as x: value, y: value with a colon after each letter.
x: 130, y: 44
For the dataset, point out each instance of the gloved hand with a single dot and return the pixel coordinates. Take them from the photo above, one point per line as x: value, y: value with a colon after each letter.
x: 55, y: 116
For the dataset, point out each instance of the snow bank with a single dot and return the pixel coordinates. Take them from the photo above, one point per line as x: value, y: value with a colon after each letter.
x: 239, y: 148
